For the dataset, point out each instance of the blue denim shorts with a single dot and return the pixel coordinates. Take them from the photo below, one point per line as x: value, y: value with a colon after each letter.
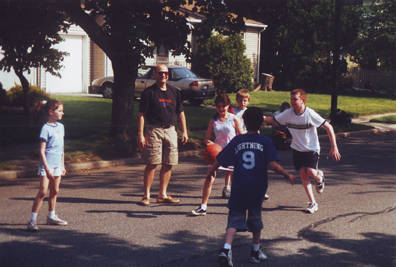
x: 253, y: 222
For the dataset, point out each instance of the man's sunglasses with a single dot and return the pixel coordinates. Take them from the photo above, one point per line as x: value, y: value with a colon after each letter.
x: 162, y: 73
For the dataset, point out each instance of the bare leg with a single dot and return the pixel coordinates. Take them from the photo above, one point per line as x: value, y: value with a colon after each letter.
x: 256, y: 237
x: 230, y: 234
x: 148, y: 177
x: 207, y: 188
x: 228, y: 178
x: 165, y: 175
x: 53, y: 195
x: 38, y: 201
x: 315, y: 174
x: 307, y: 184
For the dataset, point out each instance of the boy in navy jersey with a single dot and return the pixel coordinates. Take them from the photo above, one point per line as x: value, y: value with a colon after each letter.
x: 250, y: 154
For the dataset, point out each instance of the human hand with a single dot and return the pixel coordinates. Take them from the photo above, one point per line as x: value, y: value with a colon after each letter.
x: 291, y: 178
x: 334, y: 154
x: 141, y: 141
x: 49, y: 175
x: 209, y: 142
x: 184, y: 138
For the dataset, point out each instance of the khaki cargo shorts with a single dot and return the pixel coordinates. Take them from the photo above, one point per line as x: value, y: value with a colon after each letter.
x: 161, y: 145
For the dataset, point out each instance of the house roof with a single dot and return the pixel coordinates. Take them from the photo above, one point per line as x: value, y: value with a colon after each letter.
x: 194, y: 17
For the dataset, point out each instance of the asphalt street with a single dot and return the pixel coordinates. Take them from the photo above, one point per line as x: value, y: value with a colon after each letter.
x: 354, y: 226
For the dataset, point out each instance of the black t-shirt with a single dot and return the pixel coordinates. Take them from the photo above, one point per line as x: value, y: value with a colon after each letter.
x: 161, y: 107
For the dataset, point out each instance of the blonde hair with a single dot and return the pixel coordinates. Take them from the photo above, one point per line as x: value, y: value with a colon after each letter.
x: 243, y: 93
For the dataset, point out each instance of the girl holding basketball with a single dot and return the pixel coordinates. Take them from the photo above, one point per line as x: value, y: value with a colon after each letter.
x: 225, y: 126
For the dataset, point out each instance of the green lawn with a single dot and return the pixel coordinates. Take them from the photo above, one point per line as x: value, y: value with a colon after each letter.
x: 385, y: 119
x: 87, y: 122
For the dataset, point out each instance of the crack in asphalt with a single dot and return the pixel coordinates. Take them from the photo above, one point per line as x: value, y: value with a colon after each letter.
x: 300, y: 234
x: 312, y: 226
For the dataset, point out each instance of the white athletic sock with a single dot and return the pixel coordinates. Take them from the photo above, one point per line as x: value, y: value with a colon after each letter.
x: 51, y: 214
x: 227, y: 246
x: 204, y: 206
x: 256, y: 247
x: 33, y: 216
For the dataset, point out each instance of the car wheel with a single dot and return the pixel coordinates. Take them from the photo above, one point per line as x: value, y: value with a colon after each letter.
x: 195, y: 102
x: 107, y: 90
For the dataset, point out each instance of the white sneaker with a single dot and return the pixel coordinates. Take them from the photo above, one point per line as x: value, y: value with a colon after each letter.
x: 56, y: 221
x: 225, y: 258
x: 312, y: 207
x: 32, y: 226
x: 257, y: 256
x: 199, y: 212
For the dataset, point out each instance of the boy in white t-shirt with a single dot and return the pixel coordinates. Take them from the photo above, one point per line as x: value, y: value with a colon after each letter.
x: 242, y: 99
x: 302, y: 122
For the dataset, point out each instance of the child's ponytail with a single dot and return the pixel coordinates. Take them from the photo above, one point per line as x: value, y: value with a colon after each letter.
x: 37, y: 110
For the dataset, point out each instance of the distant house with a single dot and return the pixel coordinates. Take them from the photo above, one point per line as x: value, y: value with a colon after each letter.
x: 76, y: 67
x: 86, y: 61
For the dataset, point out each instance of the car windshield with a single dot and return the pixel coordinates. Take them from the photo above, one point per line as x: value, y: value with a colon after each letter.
x: 143, y: 71
x: 181, y: 73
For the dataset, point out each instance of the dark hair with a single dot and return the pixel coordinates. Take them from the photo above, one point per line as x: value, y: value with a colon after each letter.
x: 253, y: 118
x: 284, y: 106
x: 46, y: 105
x: 222, y: 98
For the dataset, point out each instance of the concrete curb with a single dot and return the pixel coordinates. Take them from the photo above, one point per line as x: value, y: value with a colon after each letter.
x: 74, y: 167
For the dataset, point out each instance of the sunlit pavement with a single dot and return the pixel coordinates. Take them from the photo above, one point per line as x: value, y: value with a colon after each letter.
x: 354, y: 226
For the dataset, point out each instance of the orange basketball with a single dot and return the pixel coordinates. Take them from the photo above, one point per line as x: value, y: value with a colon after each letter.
x: 210, y: 153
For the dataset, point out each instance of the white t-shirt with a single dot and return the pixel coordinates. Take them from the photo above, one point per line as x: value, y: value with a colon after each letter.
x: 239, y: 112
x: 302, y: 128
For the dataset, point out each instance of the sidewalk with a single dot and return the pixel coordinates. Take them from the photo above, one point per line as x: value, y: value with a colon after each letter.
x: 17, y: 155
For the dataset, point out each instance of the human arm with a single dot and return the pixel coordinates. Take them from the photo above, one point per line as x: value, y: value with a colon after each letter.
x: 63, y: 164
x: 278, y: 169
x: 270, y: 120
x: 43, y: 158
x: 238, y: 125
x: 141, y: 140
x: 183, y: 126
x: 211, y: 171
x: 334, y: 153
x: 208, y: 134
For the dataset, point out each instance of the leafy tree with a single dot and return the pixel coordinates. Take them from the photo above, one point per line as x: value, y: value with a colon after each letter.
x: 128, y: 31
x: 222, y: 59
x: 297, y: 45
x: 28, y: 30
x: 375, y: 46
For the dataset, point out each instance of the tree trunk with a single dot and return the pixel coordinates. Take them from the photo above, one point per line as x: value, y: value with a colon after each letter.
x: 123, y: 101
x: 266, y: 81
x: 25, y: 87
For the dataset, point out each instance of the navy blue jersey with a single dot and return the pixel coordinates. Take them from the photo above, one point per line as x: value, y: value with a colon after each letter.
x: 250, y: 155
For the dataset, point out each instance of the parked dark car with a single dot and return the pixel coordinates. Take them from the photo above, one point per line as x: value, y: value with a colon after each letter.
x: 192, y: 88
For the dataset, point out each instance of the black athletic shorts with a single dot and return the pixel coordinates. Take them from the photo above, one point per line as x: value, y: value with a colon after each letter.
x: 308, y: 159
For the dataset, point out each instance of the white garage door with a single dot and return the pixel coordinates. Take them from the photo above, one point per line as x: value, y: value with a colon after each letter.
x: 72, y: 71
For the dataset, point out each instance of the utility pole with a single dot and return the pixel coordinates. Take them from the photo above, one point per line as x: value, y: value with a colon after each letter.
x: 336, y: 58
x: 336, y: 52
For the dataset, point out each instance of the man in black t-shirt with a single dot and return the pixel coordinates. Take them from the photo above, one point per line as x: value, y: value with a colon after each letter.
x: 161, y: 105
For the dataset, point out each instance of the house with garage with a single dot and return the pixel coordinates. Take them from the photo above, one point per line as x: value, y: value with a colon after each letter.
x: 87, y: 62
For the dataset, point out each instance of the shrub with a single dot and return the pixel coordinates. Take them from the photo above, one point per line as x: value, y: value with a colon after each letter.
x: 223, y: 60
x: 16, y: 97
